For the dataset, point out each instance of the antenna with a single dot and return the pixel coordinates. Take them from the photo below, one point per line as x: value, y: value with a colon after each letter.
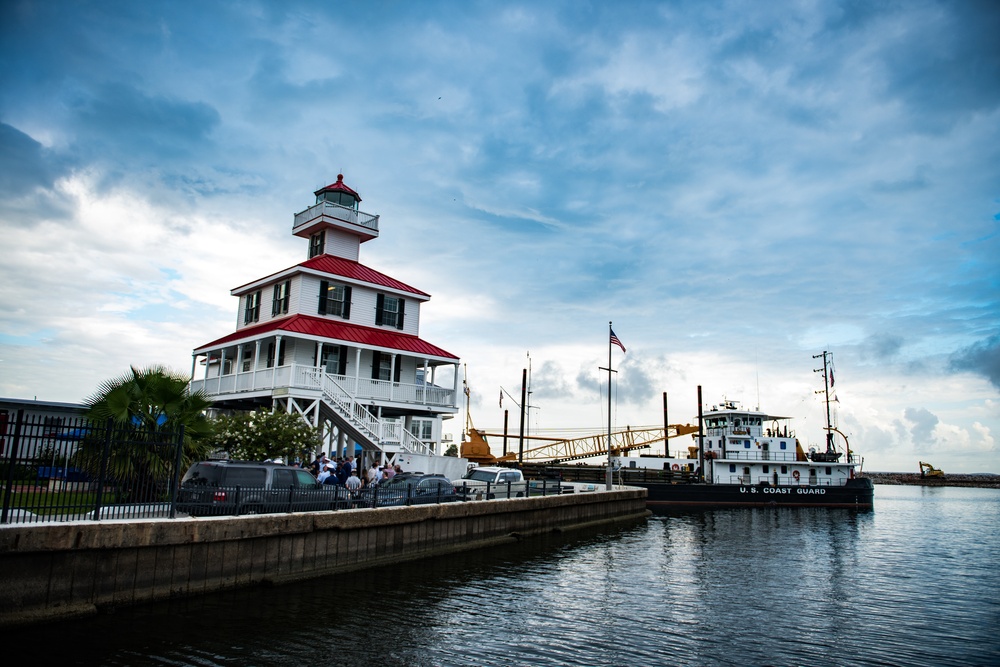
x: 756, y: 370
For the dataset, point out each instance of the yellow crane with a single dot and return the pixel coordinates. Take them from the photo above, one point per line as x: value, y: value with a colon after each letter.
x: 927, y: 470
x: 559, y: 450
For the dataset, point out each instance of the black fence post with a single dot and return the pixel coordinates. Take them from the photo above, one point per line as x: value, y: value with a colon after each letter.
x: 14, y: 450
x: 103, y: 475
x: 175, y: 480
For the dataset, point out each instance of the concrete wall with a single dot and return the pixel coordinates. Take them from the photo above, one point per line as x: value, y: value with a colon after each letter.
x: 66, y: 569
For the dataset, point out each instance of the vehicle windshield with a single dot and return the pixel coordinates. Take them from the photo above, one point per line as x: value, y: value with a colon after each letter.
x: 481, y: 475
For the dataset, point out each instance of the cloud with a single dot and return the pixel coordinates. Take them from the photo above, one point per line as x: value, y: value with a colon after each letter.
x: 881, y: 347
x: 981, y: 358
x: 118, y: 123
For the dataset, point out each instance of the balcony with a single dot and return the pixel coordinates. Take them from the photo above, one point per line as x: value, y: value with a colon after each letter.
x: 330, y: 214
x: 304, y: 377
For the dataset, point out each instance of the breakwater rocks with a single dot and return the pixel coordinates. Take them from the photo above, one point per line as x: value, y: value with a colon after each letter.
x: 986, y: 481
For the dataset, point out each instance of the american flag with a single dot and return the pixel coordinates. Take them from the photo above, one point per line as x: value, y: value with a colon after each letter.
x: 615, y: 341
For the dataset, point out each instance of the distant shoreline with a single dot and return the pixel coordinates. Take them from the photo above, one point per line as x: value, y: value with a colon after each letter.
x: 984, y: 481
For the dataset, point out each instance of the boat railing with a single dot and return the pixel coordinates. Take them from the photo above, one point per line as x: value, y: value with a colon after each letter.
x: 782, y: 480
x: 757, y: 455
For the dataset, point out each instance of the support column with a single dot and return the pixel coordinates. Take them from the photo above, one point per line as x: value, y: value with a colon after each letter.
x: 423, y: 397
x: 253, y: 366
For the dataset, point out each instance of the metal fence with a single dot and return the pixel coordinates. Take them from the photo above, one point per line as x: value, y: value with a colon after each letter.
x: 78, y: 468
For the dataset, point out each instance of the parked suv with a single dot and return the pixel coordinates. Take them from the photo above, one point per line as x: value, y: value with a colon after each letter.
x: 211, y: 488
x: 489, y: 482
x: 408, y: 488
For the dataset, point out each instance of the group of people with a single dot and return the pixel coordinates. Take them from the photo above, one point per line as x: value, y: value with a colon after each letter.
x: 344, y: 472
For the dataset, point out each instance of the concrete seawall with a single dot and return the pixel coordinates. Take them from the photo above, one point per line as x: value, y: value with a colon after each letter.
x: 57, y: 570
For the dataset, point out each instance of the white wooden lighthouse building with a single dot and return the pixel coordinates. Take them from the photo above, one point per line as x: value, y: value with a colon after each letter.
x: 335, y: 341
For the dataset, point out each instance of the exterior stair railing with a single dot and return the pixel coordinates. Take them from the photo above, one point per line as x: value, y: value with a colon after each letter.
x: 377, y: 431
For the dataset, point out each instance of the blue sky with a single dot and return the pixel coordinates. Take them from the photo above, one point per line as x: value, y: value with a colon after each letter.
x: 737, y: 185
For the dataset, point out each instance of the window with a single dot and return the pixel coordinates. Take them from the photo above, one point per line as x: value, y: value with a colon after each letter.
x: 333, y: 358
x: 282, y: 479
x: 340, y: 198
x: 303, y: 478
x: 279, y: 302
x: 334, y: 299
x: 784, y: 470
x: 270, y: 354
x: 732, y: 467
x: 746, y: 444
x: 767, y: 469
x: 423, y: 429
x: 784, y: 445
x: 829, y: 470
x: 382, y: 367
x: 251, y: 312
x: 389, y: 311
x: 317, y: 243
x: 247, y: 358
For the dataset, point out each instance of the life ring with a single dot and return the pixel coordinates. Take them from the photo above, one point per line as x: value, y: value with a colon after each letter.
x: 676, y: 467
x: 795, y: 474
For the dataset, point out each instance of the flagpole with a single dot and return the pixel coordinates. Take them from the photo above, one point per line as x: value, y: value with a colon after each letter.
x: 610, y: 475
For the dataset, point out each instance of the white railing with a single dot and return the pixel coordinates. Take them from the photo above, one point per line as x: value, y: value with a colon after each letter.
x: 297, y: 375
x: 393, y: 432
x: 377, y: 431
x: 342, y: 395
x: 757, y: 455
x: 337, y: 212
x: 786, y: 480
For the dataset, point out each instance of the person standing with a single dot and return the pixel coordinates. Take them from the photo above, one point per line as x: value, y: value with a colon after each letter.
x: 353, y: 483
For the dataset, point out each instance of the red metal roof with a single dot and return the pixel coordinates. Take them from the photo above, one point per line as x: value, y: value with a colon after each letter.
x: 336, y: 330
x: 340, y: 187
x: 345, y: 268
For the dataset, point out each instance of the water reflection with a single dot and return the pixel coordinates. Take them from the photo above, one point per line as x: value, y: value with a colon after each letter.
x: 914, y: 582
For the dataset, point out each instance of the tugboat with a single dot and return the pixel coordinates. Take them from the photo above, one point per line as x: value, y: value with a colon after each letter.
x: 744, y: 458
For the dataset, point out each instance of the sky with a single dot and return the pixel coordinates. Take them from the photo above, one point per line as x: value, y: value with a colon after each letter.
x: 738, y: 186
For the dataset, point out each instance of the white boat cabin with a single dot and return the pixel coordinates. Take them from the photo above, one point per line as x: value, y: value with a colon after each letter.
x: 749, y: 447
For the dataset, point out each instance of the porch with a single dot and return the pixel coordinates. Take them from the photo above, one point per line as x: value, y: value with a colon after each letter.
x: 308, y: 377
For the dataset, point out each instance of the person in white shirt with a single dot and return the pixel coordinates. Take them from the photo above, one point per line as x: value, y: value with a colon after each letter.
x: 327, y: 469
x: 353, y: 483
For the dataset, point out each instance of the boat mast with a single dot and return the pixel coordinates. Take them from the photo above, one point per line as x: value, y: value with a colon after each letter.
x: 827, y: 357
x: 610, y: 473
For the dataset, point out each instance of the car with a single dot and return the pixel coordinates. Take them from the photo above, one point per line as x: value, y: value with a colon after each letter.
x: 213, y: 488
x: 408, y: 488
x: 489, y: 482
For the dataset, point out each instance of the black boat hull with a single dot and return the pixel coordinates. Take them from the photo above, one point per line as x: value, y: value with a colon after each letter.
x: 857, y: 494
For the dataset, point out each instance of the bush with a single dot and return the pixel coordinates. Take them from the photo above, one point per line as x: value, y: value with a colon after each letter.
x: 259, y: 435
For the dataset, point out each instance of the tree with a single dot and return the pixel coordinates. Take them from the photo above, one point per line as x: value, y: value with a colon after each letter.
x: 146, y: 409
x: 451, y: 451
x: 259, y: 435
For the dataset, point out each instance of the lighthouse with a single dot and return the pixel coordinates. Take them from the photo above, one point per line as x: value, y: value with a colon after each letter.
x: 336, y: 342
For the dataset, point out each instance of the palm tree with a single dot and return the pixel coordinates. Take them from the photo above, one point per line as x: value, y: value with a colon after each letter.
x: 146, y: 409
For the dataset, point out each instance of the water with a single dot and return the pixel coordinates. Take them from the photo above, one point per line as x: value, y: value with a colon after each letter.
x: 916, y: 582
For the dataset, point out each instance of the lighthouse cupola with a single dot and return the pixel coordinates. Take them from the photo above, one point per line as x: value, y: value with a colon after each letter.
x: 338, y: 193
x: 334, y: 225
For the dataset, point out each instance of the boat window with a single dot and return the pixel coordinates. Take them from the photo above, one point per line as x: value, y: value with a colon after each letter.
x: 784, y: 470
x: 746, y: 444
x: 732, y: 467
x: 767, y: 469
x: 784, y: 444
x: 736, y: 422
x: 829, y: 470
